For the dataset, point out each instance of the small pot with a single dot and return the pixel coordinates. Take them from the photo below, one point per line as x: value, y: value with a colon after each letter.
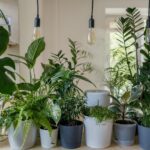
x: 71, y: 136
x: 144, y: 137
x: 98, y: 135
x: 16, y: 140
x: 48, y: 141
x: 97, y: 97
x: 124, y: 132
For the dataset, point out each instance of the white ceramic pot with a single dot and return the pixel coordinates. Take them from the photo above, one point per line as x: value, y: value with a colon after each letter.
x: 98, y: 135
x: 97, y: 97
x: 48, y: 141
x: 16, y: 140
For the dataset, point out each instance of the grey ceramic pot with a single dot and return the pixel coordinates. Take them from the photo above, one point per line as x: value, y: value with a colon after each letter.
x: 71, y: 136
x: 124, y: 134
x: 144, y: 137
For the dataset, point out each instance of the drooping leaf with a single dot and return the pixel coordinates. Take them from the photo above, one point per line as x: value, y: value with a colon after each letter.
x: 34, y: 50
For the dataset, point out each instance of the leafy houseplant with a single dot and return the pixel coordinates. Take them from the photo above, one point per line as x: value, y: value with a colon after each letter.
x: 124, y: 70
x: 144, y: 121
x: 100, y: 120
x: 19, y: 118
x: 63, y: 75
x: 124, y: 127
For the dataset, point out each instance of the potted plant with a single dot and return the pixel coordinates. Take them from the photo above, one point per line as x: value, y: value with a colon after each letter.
x: 20, y: 117
x: 125, y: 126
x: 63, y: 75
x: 49, y: 136
x: 98, y: 124
x: 144, y: 120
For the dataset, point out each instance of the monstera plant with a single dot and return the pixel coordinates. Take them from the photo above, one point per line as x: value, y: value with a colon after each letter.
x: 7, y: 65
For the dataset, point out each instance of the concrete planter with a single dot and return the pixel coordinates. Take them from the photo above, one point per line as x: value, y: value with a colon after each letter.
x: 124, y: 134
x: 48, y: 141
x: 144, y: 137
x: 16, y: 141
x: 97, y: 97
x: 98, y: 135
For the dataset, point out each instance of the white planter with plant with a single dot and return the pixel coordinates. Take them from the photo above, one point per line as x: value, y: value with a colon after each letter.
x: 97, y: 97
x: 48, y: 136
x: 48, y: 140
x: 18, y: 139
x: 98, y: 127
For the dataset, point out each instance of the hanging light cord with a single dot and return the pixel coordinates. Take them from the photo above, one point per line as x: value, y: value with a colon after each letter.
x: 92, y: 8
x: 38, y: 8
x: 149, y: 9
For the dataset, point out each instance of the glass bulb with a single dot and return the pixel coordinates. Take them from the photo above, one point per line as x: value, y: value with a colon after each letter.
x: 91, y: 36
x: 36, y: 33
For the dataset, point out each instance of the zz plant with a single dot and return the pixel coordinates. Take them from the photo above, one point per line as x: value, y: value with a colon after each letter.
x: 123, y: 74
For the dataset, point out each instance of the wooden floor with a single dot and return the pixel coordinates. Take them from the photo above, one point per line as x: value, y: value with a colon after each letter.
x: 5, y: 146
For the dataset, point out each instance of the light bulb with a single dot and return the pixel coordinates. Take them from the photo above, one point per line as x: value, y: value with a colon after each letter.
x: 147, y: 35
x: 36, y: 33
x: 91, y: 36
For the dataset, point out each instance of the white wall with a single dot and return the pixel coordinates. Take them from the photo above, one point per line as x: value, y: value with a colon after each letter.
x: 69, y: 18
x: 10, y: 8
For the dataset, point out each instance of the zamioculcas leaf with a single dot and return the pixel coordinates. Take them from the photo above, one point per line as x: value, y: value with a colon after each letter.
x: 34, y: 50
x: 4, y: 39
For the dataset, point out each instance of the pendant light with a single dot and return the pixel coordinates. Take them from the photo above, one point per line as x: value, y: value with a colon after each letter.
x: 37, y: 23
x: 148, y: 26
x: 91, y: 34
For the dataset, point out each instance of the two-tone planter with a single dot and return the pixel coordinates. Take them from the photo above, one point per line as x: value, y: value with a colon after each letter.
x: 47, y: 140
x: 98, y: 135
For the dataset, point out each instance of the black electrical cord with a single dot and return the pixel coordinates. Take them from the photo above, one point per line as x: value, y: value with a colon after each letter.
x: 37, y: 7
x: 37, y: 20
x: 92, y: 8
x: 91, y: 20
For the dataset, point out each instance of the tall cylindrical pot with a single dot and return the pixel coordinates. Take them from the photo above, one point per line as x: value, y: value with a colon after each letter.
x: 16, y: 137
x: 71, y: 136
x: 144, y: 137
x: 98, y: 135
x: 97, y: 97
x: 47, y: 140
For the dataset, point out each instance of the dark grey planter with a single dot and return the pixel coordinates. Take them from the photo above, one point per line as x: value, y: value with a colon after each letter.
x: 144, y: 137
x: 124, y: 134
x: 71, y: 136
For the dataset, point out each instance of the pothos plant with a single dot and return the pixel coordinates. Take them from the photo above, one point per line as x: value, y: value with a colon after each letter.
x: 63, y: 75
x: 124, y: 72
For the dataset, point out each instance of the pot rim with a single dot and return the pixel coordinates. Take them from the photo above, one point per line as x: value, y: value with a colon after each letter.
x: 97, y: 91
x: 95, y: 119
x: 134, y: 123
x: 143, y: 126
x: 64, y: 125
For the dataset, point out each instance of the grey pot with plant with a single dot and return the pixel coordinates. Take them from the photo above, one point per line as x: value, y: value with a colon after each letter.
x: 144, y: 104
x: 62, y: 75
x: 98, y: 124
x: 125, y: 126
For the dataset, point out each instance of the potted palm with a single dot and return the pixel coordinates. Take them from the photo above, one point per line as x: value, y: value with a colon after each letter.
x: 100, y: 120
x: 63, y: 75
x: 125, y: 126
